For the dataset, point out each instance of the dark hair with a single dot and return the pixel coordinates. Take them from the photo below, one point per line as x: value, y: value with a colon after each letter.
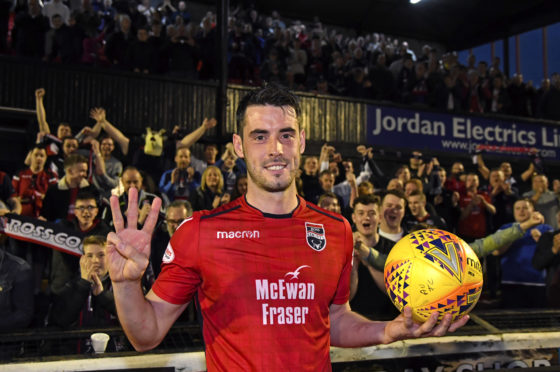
x: 74, y: 159
x: 422, y: 226
x: 86, y: 195
x: 327, y: 172
x: 366, y: 200
x: 105, y: 136
x: 131, y: 168
x: 272, y: 95
x: 397, y: 193
x: 40, y: 146
x: 68, y: 138
x: 181, y: 204
x: 417, y: 193
x: 325, y: 195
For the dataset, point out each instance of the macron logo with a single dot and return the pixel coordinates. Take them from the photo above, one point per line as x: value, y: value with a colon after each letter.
x: 247, y: 234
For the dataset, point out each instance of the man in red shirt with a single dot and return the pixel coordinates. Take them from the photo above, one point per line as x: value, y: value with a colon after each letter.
x: 31, y: 184
x: 475, y: 204
x: 270, y: 270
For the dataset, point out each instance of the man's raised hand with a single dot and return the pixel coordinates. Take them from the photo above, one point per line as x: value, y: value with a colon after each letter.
x: 128, y: 250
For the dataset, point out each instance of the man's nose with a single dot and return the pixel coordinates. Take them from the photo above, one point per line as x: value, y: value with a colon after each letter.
x: 275, y: 147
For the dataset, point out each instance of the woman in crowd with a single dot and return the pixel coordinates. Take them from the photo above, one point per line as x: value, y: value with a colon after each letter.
x: 210, y: 194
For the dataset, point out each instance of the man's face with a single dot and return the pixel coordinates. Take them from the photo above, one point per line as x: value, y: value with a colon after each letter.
x: 326, y: 181
x: 229, y: 161
x: 403, y: 174
x: 415, y: 160
x: 540, y: 183
x: 271, y: 146
x: 210, y: 153
x: 183, y: 158
x: 38, y: 158
x: 125, y: 25
x: 311, y: 165
x: 242, y: 186
x: 442, y: 174
x: 131, y: 178
x: 56, y: 22
x: 457, y: 168
x: 409, y: 188
x: 95, y: 253
x: 522, y: 210
x: 471, y: 183
x: 395, y: 184
x: 506, y: 168
x: 69, y: 146
x: 142, y: 35
x: 496, y: 178
x: 392, y: 211
x: 556, y: 185
x: 76, y: 173
x: 330, y: 204
x: 365, y: 189
x: 417, y: 205
x: 86, y: 211
x: 366, y: 218
x: 107, y: 146
x: 63, y: 131
x: 333, y: 168
x: 174, y: 217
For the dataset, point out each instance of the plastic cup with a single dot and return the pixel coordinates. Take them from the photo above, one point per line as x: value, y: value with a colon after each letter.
x: 99, y: 342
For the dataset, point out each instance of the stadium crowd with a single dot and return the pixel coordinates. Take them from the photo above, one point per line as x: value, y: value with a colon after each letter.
x: 155, y: 37
x: 512, y: 220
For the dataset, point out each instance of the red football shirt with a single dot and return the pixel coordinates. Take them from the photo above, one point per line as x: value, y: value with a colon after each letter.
x: 265, y: 283
x: 474, y: 225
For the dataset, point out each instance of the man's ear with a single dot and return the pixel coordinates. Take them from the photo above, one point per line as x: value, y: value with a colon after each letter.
x: 238, y: 145
x: 302, y: 141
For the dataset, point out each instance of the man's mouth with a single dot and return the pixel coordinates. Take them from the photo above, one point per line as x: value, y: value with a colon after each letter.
x: 391, y: 217
x: 275, y: 167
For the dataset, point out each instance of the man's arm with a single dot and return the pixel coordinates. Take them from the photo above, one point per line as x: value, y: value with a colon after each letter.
x: 145, y: 320
x: 99, y: 161
x: 482, y: 168
x: 528, y: 172
x: 349, y: 329
x: 40, y: 111
x: 98, y: 114
x: 191, y: 138
x: 354, y: 277
x: 512, y: 234
x: 489, y: 206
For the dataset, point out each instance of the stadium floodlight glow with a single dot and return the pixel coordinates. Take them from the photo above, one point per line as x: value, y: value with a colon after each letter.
x: 415, y: 1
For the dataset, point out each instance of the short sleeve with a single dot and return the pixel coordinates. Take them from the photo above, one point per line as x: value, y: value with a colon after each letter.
x: 180, y: 276
x: 342, y: 294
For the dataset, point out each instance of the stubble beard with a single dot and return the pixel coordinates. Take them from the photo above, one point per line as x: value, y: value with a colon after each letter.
x: 274, y: 185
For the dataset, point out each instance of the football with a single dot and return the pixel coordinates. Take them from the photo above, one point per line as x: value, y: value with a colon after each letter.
x: 433, y: 270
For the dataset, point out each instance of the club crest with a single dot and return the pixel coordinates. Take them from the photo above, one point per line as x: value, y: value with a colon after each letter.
x: 315, y: 236
x: 169, y: 255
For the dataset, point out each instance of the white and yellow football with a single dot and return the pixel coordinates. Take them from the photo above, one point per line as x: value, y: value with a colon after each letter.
x: 433, y: 270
